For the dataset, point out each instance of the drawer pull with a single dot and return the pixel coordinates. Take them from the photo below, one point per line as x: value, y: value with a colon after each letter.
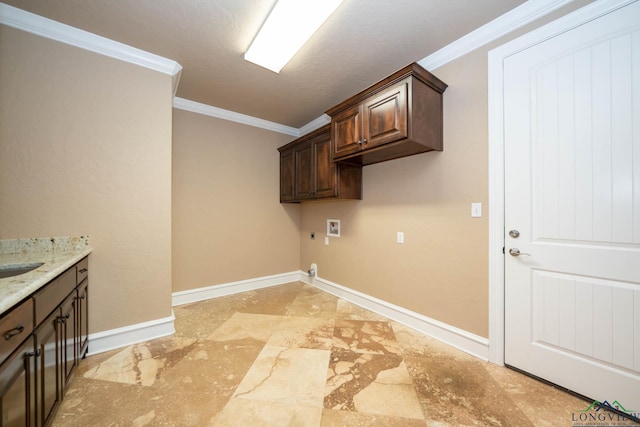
x: 81, y: 297
x: 84, y: 270
x: 13, y: 332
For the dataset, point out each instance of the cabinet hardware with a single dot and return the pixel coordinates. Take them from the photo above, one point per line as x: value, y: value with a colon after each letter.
x: 34, y: 353
x: 84, y: 270
x: 13, y: 332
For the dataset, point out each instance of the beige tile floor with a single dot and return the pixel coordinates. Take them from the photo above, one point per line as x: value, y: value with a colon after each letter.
x: 293, y: 355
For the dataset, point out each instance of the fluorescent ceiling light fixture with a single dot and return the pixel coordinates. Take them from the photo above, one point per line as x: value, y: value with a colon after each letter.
x: 289, y: 25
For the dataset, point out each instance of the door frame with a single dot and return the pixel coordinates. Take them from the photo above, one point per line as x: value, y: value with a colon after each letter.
x: 496, y: 58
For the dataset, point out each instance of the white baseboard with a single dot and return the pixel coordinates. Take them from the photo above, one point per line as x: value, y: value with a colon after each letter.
x: 201, y: 294
x: 132, y: 334
x: 466, y: 341
x: 469, y: 343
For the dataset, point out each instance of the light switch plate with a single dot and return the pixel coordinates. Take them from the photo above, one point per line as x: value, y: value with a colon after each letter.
x: 476, y: 210
x: 400, y: 237
x: 326, y: 240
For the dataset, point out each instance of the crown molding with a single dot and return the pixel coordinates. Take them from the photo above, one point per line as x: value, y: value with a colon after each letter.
x: 48, y: 28
x: 221, y: 113
x: 502, y: 25
x: 314, y: 124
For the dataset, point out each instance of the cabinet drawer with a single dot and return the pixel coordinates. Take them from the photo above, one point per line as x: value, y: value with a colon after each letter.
x: 15, y: 327
x: 48, y: 298
x: 82, y: 270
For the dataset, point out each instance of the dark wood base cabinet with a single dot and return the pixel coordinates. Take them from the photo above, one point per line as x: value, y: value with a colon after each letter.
x: 34, y: 376
x: 308, y: 172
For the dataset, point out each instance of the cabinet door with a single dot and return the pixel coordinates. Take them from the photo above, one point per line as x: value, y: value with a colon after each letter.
x: 82, y: 319
x: 346, y: 130
x: 385, y: 116
x: 287, y: 175
x: 47, y: 339
x: 17, y: 387
x: 67, y: 330
x: 325, y: 170
x: 304, y: 188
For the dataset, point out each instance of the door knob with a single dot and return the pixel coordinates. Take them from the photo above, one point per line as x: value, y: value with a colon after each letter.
x: 516, y: 252
x: 514, y: 233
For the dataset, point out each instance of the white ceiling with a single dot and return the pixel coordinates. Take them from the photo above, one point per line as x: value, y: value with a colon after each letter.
x: 360, y: 44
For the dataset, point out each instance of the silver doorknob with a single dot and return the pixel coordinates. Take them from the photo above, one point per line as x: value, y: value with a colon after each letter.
x: 514, y: 233
x: 516, y: 252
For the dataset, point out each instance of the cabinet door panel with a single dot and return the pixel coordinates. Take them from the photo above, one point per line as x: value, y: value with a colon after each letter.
x: 304, y: 172
x: 385, y: 116
x: 287, y: 176
x: 82, y: 324
x: 326, y: 176
x: 67, y: 326
x: 47, y: 337
x: 17, y: 388
x: 346, y: 130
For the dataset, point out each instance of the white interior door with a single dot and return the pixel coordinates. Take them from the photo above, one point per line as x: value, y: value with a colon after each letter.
x: 572, y: 191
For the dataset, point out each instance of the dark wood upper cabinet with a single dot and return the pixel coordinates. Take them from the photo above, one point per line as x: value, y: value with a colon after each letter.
x: 397, y: 117
x: 308, y: 172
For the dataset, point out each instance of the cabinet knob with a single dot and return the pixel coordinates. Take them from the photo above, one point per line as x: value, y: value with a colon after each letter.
x: 364, y: 140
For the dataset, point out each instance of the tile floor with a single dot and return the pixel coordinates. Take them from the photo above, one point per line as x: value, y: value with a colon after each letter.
x: 293, y: 355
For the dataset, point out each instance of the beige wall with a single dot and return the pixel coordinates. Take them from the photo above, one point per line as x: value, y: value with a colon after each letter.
x: 441, y: 269
x: 85, y: 149
x: 227, y: 222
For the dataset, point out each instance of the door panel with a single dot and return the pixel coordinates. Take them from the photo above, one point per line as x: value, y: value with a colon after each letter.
x: 564, y: 317
x: 346, y: 131
x: 385, y: 116
x: 287, y: 176
x: 325, y: 176
x: 304, y: 172
x: 572, y: 189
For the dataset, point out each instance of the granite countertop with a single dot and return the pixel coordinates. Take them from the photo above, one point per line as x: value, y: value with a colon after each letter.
x: 57, y: 254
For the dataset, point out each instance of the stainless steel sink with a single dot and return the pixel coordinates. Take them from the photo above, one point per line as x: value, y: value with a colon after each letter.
x: 10, y: 270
